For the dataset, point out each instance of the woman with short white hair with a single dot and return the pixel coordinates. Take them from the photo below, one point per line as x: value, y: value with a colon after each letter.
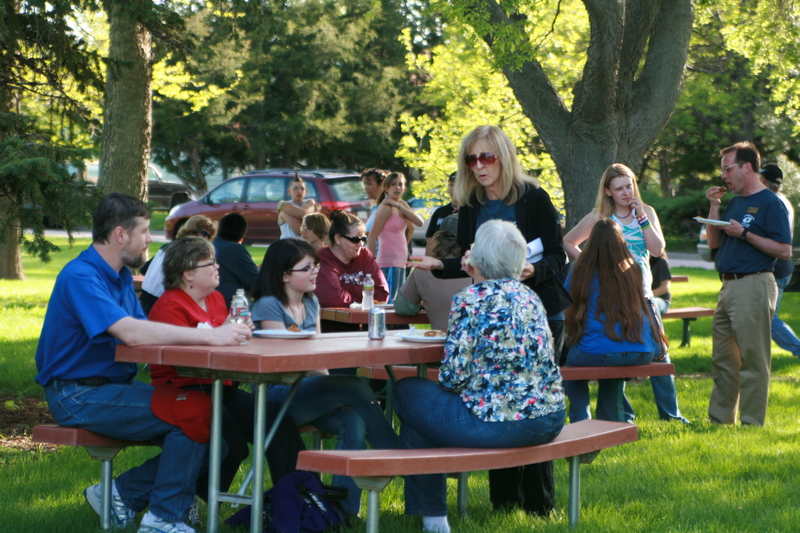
x: 499, y: 385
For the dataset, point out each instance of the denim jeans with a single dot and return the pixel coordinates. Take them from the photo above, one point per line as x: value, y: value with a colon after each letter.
x: 782, y: 334
x: 166, y: 483
x: 344, y: 406
x: 578, y: 391
x: 664, y: 392
x: 433, y: 417
x: 395, y: 277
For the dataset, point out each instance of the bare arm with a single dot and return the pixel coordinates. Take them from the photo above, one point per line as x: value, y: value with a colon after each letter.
x: 578, y: 235
x: 768, y: 246
x: 134, y: 332
x: 662, y: 289
x: 713, y: 233
x: 406, y: 211
x: 381, y: 216
x: 653, y: 238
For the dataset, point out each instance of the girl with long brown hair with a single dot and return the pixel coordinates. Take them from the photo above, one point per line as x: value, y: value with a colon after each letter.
x: 610, y: 323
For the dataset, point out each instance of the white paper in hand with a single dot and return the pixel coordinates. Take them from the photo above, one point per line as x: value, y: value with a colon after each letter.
x: 535, y: 251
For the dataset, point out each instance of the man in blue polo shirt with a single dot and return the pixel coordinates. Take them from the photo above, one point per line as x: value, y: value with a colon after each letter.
x: 94, y: 308
x: 757, y: 233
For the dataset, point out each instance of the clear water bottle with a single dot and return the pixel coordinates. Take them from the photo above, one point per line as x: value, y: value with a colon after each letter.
x: 368, y: 293
x: 240, y: 308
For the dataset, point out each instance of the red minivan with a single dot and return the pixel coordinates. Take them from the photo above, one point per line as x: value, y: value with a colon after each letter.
x: 256, y: 195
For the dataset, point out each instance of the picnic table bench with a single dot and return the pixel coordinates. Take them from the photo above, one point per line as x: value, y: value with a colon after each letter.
x: 568, y: 373
x: 688, y: 315
x: 372, y: 470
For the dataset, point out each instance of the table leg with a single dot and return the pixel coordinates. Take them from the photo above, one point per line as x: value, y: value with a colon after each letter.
x: 259, y: 443
x: 215, y: 456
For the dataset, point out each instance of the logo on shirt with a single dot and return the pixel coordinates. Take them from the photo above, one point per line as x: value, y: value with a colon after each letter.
x: 747, y: 220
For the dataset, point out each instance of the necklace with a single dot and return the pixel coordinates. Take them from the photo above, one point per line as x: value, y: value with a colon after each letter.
x: 626, y: 216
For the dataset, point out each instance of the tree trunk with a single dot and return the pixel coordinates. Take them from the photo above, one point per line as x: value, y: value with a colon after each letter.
x: 630, y: 85
x: 10, y: 253
x: 127, y: 120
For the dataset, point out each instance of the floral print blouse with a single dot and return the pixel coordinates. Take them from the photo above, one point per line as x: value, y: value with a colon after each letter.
x: 499, y: 353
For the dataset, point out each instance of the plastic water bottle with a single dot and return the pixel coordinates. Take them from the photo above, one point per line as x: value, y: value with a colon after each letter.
x: 240, y: 308
x: 368, y: 293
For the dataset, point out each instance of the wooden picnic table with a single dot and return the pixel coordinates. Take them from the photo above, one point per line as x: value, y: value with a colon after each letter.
x: 137, y: 282
x: 264, y: 361
x: 347, y: 315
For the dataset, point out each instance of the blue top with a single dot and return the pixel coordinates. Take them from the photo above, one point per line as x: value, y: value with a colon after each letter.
x: 270, y: 308
x: 496, y: 210
x: 763, y: 214
x: 88, y: 298
x: 594, y: 340
x: 499, y: 353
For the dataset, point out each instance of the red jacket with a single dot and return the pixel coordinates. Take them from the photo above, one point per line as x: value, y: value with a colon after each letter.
x: 339, y: 284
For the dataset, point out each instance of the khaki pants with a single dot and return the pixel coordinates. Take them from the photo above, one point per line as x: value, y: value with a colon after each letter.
x: 742, y: 349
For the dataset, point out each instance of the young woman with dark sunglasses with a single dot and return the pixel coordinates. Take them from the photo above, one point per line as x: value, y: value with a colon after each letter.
x: 345, y: 263
x: 492, y: 185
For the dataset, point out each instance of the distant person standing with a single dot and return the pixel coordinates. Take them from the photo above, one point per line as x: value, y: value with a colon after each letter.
x: 758, y: 234
x: 782, y: 334
x: 441, y: 213
x: 236, y: 267
x: 292, y: 211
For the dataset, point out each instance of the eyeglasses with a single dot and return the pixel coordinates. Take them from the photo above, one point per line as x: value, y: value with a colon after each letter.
x: 486, y: 159
x: 307, y: 268
x: 298, y: 189
x: 355, y: 240
x: 212, y: 263
x: 725, y: 169
x: 303, y: 228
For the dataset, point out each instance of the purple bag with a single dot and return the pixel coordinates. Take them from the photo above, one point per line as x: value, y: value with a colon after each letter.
x: 298, y: 503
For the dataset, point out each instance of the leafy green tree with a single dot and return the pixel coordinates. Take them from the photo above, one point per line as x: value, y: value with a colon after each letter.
x: 634, y: 55
x: 40, y: 56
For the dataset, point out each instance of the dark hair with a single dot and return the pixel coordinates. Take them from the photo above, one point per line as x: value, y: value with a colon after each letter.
x: 444, y: 245
x: 376, y: 174
x: 621, y: 299
x: 232, y: 227
x: 341, y: 224
x: 281, y: 256
x: 183, y: 255
x: 116, y: 210
x: 746, y: 152
x: 390, y: 179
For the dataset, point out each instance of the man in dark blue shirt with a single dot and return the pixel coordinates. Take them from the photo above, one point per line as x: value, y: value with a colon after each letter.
x: 757, y: 232
x: 94, y: 308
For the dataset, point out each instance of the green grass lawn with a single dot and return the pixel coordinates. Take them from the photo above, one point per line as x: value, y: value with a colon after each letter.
x: 696, y: 478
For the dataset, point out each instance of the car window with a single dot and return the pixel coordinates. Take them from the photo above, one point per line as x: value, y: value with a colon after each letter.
x: 228, y: 193
x: 348, y: 190
x: 311, y: 191
x: 265, y: 190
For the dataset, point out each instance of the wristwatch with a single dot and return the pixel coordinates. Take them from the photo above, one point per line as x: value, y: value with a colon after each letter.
x: 743, y: 236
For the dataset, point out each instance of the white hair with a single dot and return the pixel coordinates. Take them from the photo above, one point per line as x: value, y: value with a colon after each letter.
x: 499, y: 250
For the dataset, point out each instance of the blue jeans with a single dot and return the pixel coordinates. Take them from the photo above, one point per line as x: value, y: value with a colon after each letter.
x: 782, y: 334
x: 395, y: 277
x: 166, y: 483
x: 433, y: 417
x: 578, y: 391
x: 344, y: 406
x: 664, y: 393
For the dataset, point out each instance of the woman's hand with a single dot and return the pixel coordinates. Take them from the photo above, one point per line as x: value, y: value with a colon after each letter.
x: 466, y: 265
x: 636, y: 204
x: 528, y: 271
x: 424, y: 263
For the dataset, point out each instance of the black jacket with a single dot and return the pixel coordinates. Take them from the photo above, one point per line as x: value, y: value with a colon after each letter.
x: 536, y: 218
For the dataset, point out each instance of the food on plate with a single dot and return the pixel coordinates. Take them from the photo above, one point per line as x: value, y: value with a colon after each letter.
x: 294, y: 328
x: 433, y: 333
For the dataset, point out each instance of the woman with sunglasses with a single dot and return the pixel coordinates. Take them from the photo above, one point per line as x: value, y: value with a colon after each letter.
x: 340, y: 405
x: 153, y: 284
x: 492, y: 185
x: 191, y: 276
x: 393, y: 221
x: 345, y: 263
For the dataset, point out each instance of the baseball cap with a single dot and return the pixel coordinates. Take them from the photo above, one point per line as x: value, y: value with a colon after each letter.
x: 772, y: 173
x: 452, y: 176
x: 190, y: 410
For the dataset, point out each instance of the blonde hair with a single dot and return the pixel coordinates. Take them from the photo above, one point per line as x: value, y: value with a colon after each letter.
x: 198, y: 226
x: 512, y: 177
x: 604, y: 204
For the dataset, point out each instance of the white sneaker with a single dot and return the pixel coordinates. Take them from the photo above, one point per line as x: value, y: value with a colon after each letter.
x: 121, y: 515
x: 153, y: 524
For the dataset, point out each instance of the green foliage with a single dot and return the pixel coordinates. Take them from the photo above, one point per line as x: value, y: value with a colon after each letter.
x: 463, y: 91
x: 36, y: 184
x: 677, y: 214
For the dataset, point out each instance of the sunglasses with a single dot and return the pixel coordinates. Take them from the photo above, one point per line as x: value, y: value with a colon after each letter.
x: 205, y: 234
x: 307, y: 268
x: 486, y: 159
x: 355, y: 240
